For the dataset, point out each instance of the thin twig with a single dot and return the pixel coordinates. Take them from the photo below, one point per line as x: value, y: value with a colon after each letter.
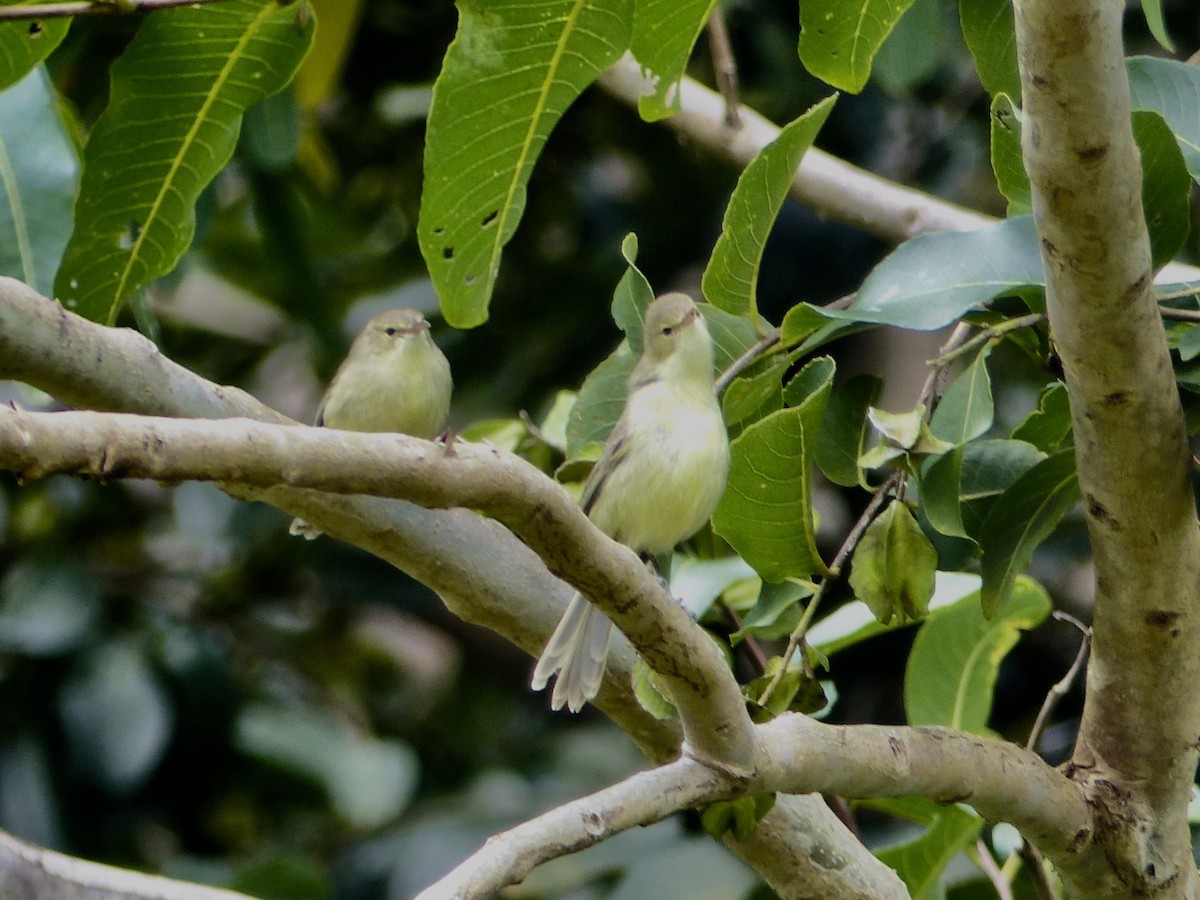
x: 724, y: 65
x: 835, y: 572
x: 932, y: 388
x: 1179, y: 315
x: 91, y: 8
x: 987, y: 334
x: 757, y: 657
x: 988, y: 864
x: 1059, y: 690
x: 767, y: 342
x: 1190, y: 291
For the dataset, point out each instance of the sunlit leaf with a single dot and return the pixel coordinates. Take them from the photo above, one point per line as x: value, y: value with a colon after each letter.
x: 664, y: 33
x: 507, y: 79
x: 839, y: 38
x: 1153, y: 11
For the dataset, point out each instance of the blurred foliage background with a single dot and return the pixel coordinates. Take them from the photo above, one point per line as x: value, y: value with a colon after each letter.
x: 186, y: 689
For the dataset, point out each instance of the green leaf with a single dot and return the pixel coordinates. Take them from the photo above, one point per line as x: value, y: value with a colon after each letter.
x: 1189, y: 344
x: 508, y: 77
x: 756, y: 392
x: 933, y: 279
x: 741, y: 816
x: 773, y: 601
x: 1152, y: 9
x: 912, y: 53
x: 839, y: 38
x: 170, y: 126
x: 664, y: 33
x: 117, y: 717
x: 990, y: 31
x: 894, y: 565
x: 651, y: 694
x: 697, y: 583
x: 845, y: 429
x: 632, y: 296
x: 600, y: 400
x: 271, y: 132
x: 951, y: 674
x: 853, y: 623
x: 39, y: 170
x: 732, y: 335
x: 966, y: 410
x: 766, y: 512
x: 989, y: 468
x: 801, y: 321
x: 1049, y: 426
x: 941, y: 483
x: 1007, y: 161
x: 24, y: 44
x: 1165, y: 186
x: 811, y: 386
x: 731, y: 277
x: 1171, y: 89
x: 368, y: 781
x: 920, y: 863
x: 1020, y: 519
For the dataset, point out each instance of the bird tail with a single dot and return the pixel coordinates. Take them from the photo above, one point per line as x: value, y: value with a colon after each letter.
x: 575, y: 653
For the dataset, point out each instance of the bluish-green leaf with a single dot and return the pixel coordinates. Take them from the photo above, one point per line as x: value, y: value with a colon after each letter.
x: 1152, y: 9
x: 951, y: 673
x: 731, y: 276
x: 989, y: 468
x: 510, y: 74
x: 839, y: 38
x: 1171, y: 89
x: 39, y: 170
x: 1165, y: 186
x: 175, y: 107
x: 966, y: 410
x: 1020, y: 519
x: 845, y: 429
x: 920, y: 863
x: 664, y: 33
x: 934, y: 279
x: 25, y: 43
x: 990, y: 32
x: 1007, y: 162
x: 766, y: 511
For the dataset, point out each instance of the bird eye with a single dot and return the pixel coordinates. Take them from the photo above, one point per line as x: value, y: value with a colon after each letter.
x: 390, y: 331
x: 668, y: 330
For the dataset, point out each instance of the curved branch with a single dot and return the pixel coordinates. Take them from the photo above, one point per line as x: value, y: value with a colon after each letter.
x: 1137, y: 748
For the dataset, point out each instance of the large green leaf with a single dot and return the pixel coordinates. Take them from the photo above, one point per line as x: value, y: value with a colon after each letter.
x: 1165, y: 186
x: 845, y: 429
x: 766, y: 512
x: 175, y: 108
x: 933, y: 279
x: 1020, y: 519
x: 966, y: 409
x: 1049, y: 426
x: 731, y: 276
x: 664, y: 33
x: 958, y: 488
x: 921, y: 862
x: 1171, y: 89
x: 990, y: 32
x: 839, y: 38
x: 951, y: 673
x: 1007, y: 162
x: 911, y: 54
x: 39, y: 170
x: 25, y: 43
x: 513, y: 69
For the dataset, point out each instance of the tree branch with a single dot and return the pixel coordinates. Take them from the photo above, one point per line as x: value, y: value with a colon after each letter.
x: 91, y: 8
x: 1137, y: 749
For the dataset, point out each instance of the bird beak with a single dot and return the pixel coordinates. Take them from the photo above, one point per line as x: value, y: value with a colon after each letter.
x: 419, y: 326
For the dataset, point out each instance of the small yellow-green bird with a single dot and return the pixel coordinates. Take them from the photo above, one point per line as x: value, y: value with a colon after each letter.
x: 393, y: 379
x: 657, y: 482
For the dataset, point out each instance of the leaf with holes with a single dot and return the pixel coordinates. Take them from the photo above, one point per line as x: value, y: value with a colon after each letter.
x: 507, y: 79
x: 39, y: 170
x: 731, y: 276
x: 839, y: 38
x: 175, y: 108
x: 664, y: 33
x: 25, y: 43
x: 951, y: 673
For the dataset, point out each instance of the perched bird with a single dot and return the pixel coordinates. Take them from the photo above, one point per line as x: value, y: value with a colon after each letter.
x: 658, y: 480
x: 393, y: 379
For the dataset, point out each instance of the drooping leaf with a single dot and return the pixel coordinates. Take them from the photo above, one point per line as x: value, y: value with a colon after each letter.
x: 732, y: 335
x: 893, y: 567
x: 990, y: 31
x: 170, y: 126
x: 1019, y: 520
x: 632, y: 296
x: 766, y: 511
x: 1152, y: 9
x: 508, y: 77
x: 25, y: 43
x: 1049, y: 426
x: 921, y: 862
x: 1165, y: 186
x: 839, y: 38
x: 966, y: 410
x: 845, y: 429
x: 1171, y: 89
x: 951, y: 673
x: 941, y: 482
x: 39, y: 171
x: 1007, y: 162
x: 801, y: 321
x: 664, y: 33
x: 933, y: 279
x: 731, y: 277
